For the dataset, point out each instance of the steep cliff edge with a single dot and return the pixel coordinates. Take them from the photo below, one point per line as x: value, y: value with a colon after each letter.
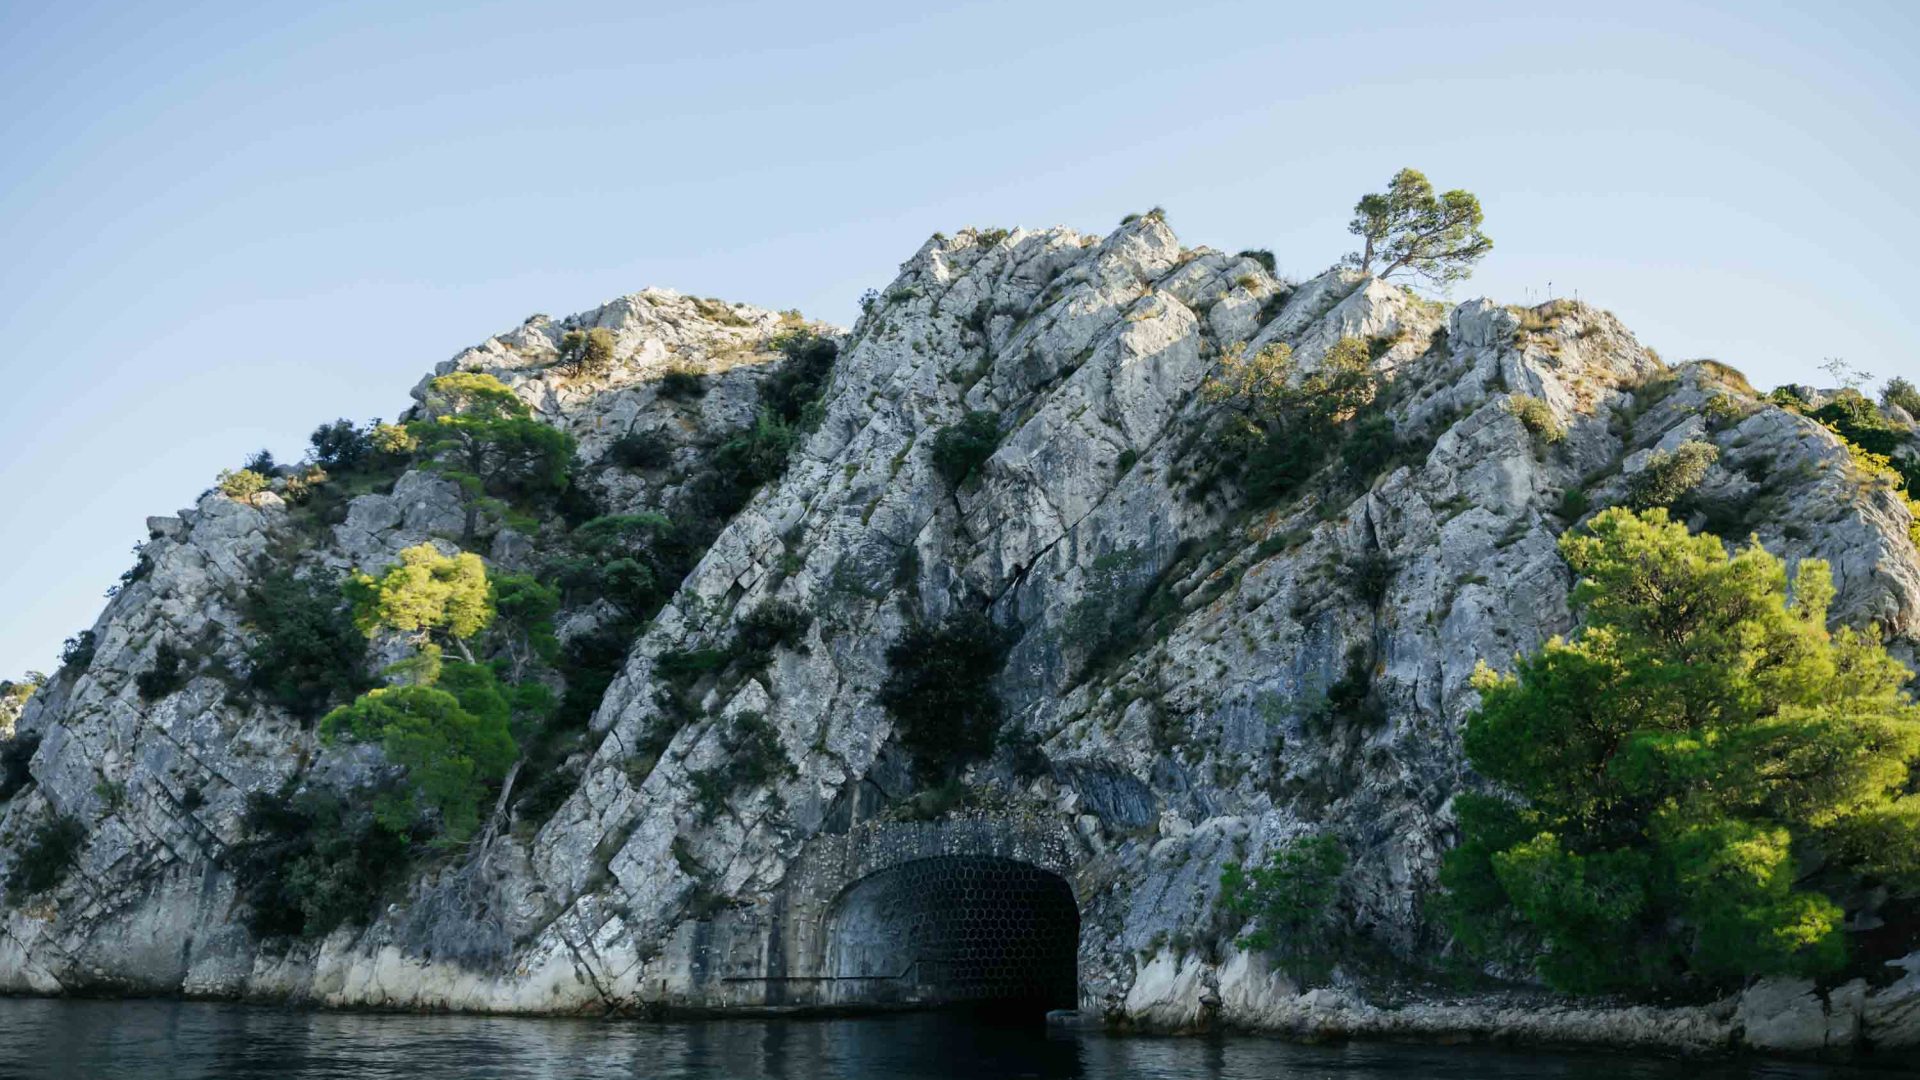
x: 1173, y: 655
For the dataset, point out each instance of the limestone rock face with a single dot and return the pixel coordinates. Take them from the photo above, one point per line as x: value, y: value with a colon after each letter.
x: 1145, y: 762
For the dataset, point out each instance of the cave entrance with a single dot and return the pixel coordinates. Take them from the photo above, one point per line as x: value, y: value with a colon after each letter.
x: 956, y: 930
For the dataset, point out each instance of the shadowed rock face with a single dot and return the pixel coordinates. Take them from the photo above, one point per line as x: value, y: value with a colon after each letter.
x: 1145, y: 759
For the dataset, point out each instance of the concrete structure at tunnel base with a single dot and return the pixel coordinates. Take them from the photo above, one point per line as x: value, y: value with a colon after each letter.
x: 893, y: 914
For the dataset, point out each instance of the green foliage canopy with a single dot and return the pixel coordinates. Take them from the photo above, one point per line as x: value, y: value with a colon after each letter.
x: 165, y: 676
x: 1668, y: 476
x: 306, y: 652
x: 1408, y: 227
x: 523, y: 619
x: 1692, y: 779
x: 1852, y: 417
x: 960, y: 449
x: 479, y: 433
x: 424, y: 593
x: 452, y: 740
x: 1899, y: 391
x: 587, y: 352
x: 1280, y: 424
x: 939, y: 690
x: 47, y: 856
x: 241, y: 485
x: 1290, y: 899
x: 311, y: 862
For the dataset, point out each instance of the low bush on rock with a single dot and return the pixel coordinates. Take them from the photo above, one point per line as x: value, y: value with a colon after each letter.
x: 960, y: 449
x: 641, y: 450
x: 306, y: 653
x: 1537, y: 416
x: 754, y: 758
x: 46, y: 858
x: 587, y: 352
x: 939, y: 690
x: 1277, y: 427
x: 1668, y: 476
x: 453, y: 740
x: 164, y: 677
x: 1288, y: 901
x: 310, y: 862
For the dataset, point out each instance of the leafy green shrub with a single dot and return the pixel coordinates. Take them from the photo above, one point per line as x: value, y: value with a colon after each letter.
x: 683, y: 382
x: 1693, y: 781
x: 633, y: 560
x: 46, y: 858
x: 241, y: 486
x: 641, y: 450
x: 306, y: 652
x: 793, y: 391
x: 587, y: 352
x: 1290, y: 899
x: 1275, y: 430
x: 393, y: 440
x: 479, y: 434
x: 773, y: 625
x: 588, y: 663
x: 452, y: 743
x: 77, y: 651
x: 1789, y: 398
x: 300, y: 487
x: 342, y: 446
x: 1371, y: 448
x: 1573, y: 504
x: 1537, y: 416
x: 1102, y: 622
x: 790, y: 406
x: 424, y: 593
x: 1667, y: 476
x: 312, y: 862
x: 754, y: 758
x: 939, y: 689
x: 16, y: 755
x: 959, y: 450
x: 1370, y: 575
x: 1852, y: 417
x: 523, y: 621
x: 1723, y: 411
x: 164, y: 677
x: 757, y: 455
x: 1899, y: 391
x: 1261, y: 256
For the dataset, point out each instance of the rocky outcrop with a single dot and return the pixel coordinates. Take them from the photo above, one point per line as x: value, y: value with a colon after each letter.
x: 1193, y: 735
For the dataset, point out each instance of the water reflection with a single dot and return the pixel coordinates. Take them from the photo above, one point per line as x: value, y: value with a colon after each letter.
x: 160, y: 1040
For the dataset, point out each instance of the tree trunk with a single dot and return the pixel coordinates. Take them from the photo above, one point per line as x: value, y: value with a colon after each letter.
x: 499, y: 808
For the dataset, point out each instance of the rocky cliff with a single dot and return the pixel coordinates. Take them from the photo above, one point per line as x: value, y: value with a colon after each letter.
x: 1176, y: 657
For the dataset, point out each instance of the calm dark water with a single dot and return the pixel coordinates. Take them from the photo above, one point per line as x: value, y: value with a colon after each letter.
x: 159, y: 1040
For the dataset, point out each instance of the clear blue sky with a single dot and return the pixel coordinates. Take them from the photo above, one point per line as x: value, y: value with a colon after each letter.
x: 225, y: 223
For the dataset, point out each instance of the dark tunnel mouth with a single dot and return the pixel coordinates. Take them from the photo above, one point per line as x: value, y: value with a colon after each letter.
x: 992, y: 934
